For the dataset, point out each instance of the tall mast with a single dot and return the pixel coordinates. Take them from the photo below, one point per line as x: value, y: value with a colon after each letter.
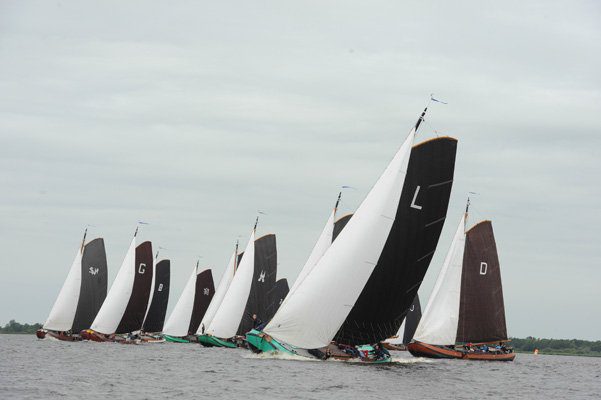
x: 83, y: 241
x: 467, y: 208
x: 337, y: 201
x: 420, y: 119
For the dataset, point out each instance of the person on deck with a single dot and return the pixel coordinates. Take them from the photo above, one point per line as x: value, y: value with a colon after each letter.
x: 257, y: 323
x: 380, y: 352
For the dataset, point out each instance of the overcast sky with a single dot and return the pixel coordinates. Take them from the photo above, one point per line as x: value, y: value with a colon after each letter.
x: 193, y: 116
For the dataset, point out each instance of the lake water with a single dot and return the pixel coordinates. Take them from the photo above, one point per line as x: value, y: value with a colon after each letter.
x: 46, y: 369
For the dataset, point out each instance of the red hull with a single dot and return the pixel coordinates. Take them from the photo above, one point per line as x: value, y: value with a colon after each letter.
x: 419, y: 349
x: 40, y: 334
x: 89, y: 334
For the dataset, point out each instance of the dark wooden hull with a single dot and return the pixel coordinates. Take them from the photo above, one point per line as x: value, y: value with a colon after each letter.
x: 94, y: 336
x: 64, y: 337
x: 419, y: 349
x: 40, y: 334
x: 394, y: 347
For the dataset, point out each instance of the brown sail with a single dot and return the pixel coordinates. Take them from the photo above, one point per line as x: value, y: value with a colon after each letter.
x: 481, y: 307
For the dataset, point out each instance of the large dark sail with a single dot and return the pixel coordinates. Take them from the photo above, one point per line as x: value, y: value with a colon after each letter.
x: 133, y: 317
x: 277, y: 294
x: 382, y: 305
x: 94, y: 283
x: 481, y: 307
x: 155, y: 317
x: 339, y: 225
x: 412, y: 320
x: 203, y: 294
x: 263, y: 280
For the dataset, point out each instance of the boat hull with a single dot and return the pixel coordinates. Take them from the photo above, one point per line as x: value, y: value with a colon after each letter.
x: 212, y: 341
x: 40, y: 334
x: 175, y: 339
x: 64, y: 337
x: 419, y: 349
x: 262, y: 343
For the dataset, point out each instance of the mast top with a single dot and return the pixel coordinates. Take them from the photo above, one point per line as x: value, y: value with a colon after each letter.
x: 420, y: 119
x: 136, y: 232
x: 83, y: 241
x: 338, y: 200
x: 256, y: 222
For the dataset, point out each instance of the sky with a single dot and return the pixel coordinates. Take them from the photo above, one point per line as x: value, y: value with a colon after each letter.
x: 192, y: 116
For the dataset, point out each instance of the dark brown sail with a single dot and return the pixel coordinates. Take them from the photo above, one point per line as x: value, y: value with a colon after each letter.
x: 382, y: 305
x: 94, y: 283
x: 264, y: 275
x: 203, y: 294
x: 481, y: 307
x: 155, y: 317
x: 133, y: 317
x: 339, y: 225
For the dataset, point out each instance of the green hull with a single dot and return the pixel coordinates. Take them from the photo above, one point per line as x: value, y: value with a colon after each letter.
x: 212, y: 341
x: 173, y: 339
x: 264, y: 345
x: 372, y: 355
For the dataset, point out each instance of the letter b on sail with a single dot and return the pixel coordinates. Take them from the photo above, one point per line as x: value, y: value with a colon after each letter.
x: 413, y: 205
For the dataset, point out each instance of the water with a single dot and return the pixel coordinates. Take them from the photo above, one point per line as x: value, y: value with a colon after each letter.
x: 45, y: 369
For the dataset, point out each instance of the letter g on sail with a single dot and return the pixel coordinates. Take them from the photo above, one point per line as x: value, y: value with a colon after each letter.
x: 141, y: 268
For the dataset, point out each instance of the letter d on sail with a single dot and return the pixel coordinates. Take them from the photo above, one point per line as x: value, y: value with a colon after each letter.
x: 413, y: 205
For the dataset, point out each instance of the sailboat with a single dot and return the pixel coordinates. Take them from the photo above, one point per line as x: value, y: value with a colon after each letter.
x: 220, y: 292
x: 465, y: 313
x: 123, y: 311
x: 82, y: 293
x: 391, y: 230
x: 263, y: 281
x: 159, y: 300
x: 407, y: 330
x: 191, y: 307
x: 247, y: 295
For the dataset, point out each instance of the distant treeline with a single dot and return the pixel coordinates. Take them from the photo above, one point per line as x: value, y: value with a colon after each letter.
x: 574, y: 347
x: 15, y: 327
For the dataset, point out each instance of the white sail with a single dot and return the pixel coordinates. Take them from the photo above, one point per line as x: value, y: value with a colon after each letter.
x: 322, y: 245
x: 314, y: 313
x: 179, y: 320
x: 222, y: 289
x: 398, y: 338
x: 227, y: 318
x: 151, y: 295
x: 114, y: 305
x: 64, y: 308
x: 438, y: 324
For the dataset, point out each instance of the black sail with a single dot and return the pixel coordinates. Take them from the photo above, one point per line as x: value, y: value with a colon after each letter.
x: 481, y: 307
x: 203, y: 294
x: 155, y: 318
x: 263, y: 281
x: 133, y: 317
x: 94, y: 284
x: 339, y: 225
x: 382, y: 305
x: 277, y: 294
x: 412, y: 320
